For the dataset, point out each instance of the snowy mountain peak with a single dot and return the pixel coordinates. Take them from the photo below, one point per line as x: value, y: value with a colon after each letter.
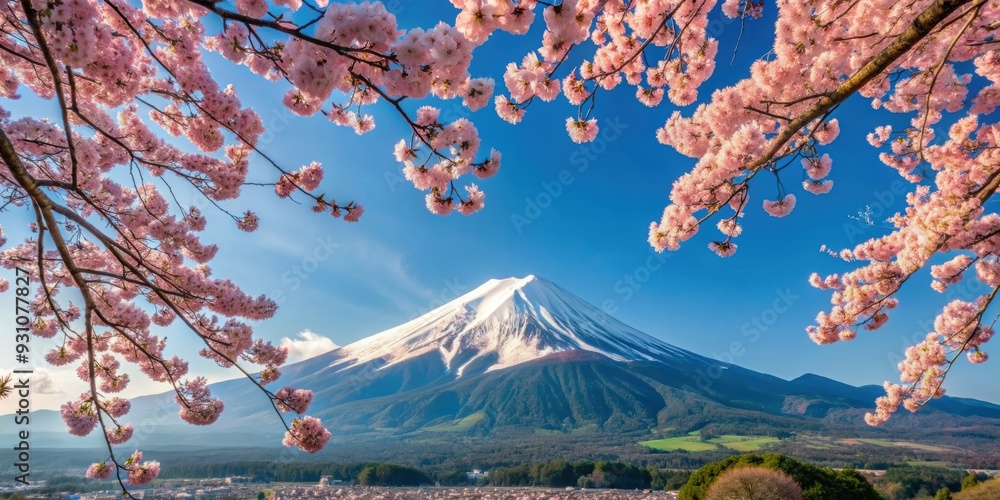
x: 502, y: 323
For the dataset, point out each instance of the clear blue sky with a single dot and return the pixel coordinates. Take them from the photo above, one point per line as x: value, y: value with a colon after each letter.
x: 590, y: 237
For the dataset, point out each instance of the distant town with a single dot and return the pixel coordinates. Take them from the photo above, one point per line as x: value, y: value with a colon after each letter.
x: 243, y: 487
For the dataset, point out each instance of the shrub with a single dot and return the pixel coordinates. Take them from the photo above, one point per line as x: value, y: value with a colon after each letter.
x: 816, y: 483
x: 754, y: 483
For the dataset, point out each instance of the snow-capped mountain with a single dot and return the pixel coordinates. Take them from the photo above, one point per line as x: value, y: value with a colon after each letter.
x: 505, y: 323
x: 516, y: 357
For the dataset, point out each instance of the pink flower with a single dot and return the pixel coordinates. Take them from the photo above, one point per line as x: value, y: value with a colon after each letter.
x: 508, y: 110
x: 880, y: 135
x: 780, y: 208
x: 309, y: 176
x: 354, y: 213
x: 473, y: 203
x: 364, y: 124
x: 649, y: 97
x: 817, y: 168
x: 117, y: 407
x: 581, y: 131
x: 575, y: 90
x: 729, y: 227
x: 308, y: 434
x: 248, y: 223
x: 269, y: 374
x: 100, y: 471
x: 252, y: 8
x: 143, y: 473
x: 476, y: 93
x: 818, y: 187
x: 827, y: 132
x: 403, y: 151
x: 120, y: 434
x: 61, y: 356
x: 197, y: 407
x: 427, y: 115
x: 291, y: 399
x: 723, y: 248
x: 285, y: 186
x: 437, y: 205
x: 79, y: 416
x: 489, y: 166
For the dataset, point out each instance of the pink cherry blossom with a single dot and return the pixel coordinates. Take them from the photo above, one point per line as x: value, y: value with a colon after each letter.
x: 80, y: 416
x: 248, y: 222
x: 723, y: 248
x: 291, y: 399
x: 308, y: 434
x: 120, y: 434
x: 581, y: 131
x: 781, y: 207
x: 818, y: 187
x: 100, y: 471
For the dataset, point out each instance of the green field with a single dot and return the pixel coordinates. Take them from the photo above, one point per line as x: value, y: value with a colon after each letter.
x: 692, y: 442
x: 901, y: 444
x: 458, y: 425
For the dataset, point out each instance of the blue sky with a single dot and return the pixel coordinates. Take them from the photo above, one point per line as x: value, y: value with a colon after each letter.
x: 588, y: 234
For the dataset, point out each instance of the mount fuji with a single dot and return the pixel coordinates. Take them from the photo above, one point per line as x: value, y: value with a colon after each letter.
x: 504, y: 323
x: 523, y: 357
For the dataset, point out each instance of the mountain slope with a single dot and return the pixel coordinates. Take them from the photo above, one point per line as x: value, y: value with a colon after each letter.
x: 503, y: 323
x: 520, y: 356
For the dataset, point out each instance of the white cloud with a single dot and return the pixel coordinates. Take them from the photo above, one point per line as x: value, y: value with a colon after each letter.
x: 306, y: 345
x: 42, y: 382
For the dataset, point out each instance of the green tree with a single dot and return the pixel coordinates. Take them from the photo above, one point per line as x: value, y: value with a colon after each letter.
x: 558, y: 474
x: 943, y: 494
x: 754, y: 483
x: 816, y: 483
x: 392, y: 475
x: 970, y: 482
x: 454, y: 477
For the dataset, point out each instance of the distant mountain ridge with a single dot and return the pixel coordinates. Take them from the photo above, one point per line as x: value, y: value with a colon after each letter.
x: 520, y: 356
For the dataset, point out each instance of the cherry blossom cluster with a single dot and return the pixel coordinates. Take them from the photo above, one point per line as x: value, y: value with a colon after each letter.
x: 290, y: 399
x: 430, y: 170
x: 358, y: 51
x: 308, y: 434
x: 661, y: 48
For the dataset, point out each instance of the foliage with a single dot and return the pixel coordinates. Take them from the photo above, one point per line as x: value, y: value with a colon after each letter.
x: 970, y: 481
x: 392, y: 475
x: 943, y: 494
x: 754, y: 483
x: 582, y: 473
x: 926, y: 481
x: 667, y: 479
x: 455, y: 477
x: 816, y: 483
x: 986, y: 490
